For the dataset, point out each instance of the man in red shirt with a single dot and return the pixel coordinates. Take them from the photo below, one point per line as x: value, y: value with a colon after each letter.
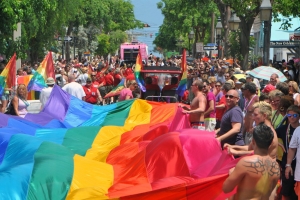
x: 117, y: 77
x: 109, y: 83
x: 128, y: 71
x: 98, y: 86
x: 92, y: 93
x: 222, y: 107
x: 109, y: 79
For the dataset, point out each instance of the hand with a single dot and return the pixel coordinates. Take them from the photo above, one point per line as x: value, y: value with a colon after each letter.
x: 288, y: 171
x: 185, y: 111
x: 226, y: 145
x: 232, y: 151
x: 219, y: 139
x: 231, y: 170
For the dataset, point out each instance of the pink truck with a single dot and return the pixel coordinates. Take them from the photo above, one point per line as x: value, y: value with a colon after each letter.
x: 129, y: 51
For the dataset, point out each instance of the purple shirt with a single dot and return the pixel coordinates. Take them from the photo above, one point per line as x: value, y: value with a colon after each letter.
x: 125, y: 92
x: 219, y: 96
x: 233, y: 115
x: 211, y: 97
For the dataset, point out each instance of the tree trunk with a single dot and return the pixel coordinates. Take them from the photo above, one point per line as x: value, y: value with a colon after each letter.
x: 69, y: 31
x: 245, y: 28
x: 267, y: 38
x: 212, y: 34
x: 225, y: 14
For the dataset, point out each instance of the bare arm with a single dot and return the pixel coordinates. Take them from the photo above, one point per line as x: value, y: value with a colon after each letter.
x: 15, y: 103
x: 99, y: 96
x: 127, y: 97
x: 221, y: 106
x: 290, y: 156
x: 235, y: 129
x: 234, y: 178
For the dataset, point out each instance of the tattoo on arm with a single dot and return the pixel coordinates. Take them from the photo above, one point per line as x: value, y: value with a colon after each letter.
x: 261, y: 167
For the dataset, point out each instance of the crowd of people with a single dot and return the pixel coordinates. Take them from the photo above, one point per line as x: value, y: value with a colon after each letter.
x: 247, y: 114
x: 250, y: 116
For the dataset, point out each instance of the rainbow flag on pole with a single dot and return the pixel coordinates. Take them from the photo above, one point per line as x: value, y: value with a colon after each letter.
x: 137, y: 72
x: 116, y: 90
x: 45, y: 70
x: 32, y: 95
x: 183, y: 82
x: 8, y: 75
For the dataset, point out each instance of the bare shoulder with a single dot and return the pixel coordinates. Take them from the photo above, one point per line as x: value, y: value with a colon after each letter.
x: 261, y: 165
x: 201, y: 97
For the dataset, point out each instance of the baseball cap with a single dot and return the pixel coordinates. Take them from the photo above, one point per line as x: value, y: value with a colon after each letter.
x: 268, y: 88
x: 50, y: 81
x: 88, y: 79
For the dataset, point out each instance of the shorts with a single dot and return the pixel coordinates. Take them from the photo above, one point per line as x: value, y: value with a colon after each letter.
x: 210, y: 124
x: 297, y: 188
x: 5, y: 97
x: 102, y: 91
x: 109, y: 88
x: 198, y: 125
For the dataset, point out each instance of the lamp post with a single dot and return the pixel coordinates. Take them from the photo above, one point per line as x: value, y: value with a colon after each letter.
x: 265, y: 14
x: 234, y: 22
x: 191, y: 36
x: 179, y: 44
x: 219, y: 28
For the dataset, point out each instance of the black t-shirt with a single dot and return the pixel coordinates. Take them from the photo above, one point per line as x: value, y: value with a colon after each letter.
x: 281, y: 133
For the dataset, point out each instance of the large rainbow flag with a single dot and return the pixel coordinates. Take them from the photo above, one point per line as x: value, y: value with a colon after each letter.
x: 44, y: 71
x: 133, y: 149
x: 8, y: 75
x: 183, y: 82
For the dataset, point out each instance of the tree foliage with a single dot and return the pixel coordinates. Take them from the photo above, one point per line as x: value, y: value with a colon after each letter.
x: 45, y: 20
x: 180, y: 18
x: 109, y: 43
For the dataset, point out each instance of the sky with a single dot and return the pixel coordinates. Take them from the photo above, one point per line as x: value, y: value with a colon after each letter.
x: 147, y: 12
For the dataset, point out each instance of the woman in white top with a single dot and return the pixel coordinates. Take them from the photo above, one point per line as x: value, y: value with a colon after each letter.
x: 294, y: 90
x: 20, y: 102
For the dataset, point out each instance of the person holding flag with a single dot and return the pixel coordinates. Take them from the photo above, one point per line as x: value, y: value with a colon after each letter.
x: 7, y: 81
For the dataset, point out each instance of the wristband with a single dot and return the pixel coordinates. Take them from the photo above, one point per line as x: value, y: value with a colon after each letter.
x: 288, y: 165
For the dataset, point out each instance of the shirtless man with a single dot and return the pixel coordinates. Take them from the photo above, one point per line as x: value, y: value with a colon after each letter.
x: 198, y: 106
x: 255, y: 176
x: 249, y: 93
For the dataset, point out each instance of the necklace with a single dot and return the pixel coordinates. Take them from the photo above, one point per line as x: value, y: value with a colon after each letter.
x: 274, y: 119
x: 248, y: 103
x: 288, y: 137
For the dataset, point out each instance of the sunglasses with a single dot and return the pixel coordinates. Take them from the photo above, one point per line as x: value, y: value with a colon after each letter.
x: 293, y: 115
x: 230, y: 96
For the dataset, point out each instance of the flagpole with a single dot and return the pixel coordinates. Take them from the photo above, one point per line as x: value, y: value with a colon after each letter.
x: 17, y: 35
